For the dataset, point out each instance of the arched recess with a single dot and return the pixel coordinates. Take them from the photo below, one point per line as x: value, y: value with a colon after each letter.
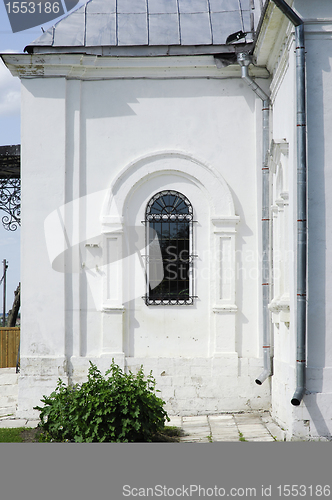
x: 178, y: 163
x: 278, y: 162
x: 131, y: 190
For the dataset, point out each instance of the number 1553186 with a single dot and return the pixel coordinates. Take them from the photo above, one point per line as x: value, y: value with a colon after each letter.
x: 302, y: 490
x: 33, y: 7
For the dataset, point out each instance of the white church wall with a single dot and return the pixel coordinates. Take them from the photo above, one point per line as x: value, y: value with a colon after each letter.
x: 283, y: 218
x: 42, y: 357
x: 319, y: 104
x: 205, y: 129
x: 311, y: 419
x: 79, y: 136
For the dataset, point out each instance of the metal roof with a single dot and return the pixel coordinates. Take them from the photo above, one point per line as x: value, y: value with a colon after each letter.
x: 151, y: 23
x: 10, y: 161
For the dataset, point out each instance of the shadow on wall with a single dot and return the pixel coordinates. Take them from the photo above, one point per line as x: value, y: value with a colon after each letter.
x: 242, y: 280
x: 318, y: 63
x: 121, y: 97
x: 320, y: 427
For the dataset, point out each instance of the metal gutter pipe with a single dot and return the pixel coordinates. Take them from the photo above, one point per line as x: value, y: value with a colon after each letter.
x: 244, y: 60
x: 301, y: 200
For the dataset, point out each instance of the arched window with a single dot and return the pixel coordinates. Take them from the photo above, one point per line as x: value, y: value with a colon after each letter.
x: 169, y: 219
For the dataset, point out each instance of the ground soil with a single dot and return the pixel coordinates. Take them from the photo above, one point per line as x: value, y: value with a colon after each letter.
x: 32, y: 436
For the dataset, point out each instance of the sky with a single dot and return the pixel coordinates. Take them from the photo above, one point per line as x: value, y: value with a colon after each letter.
x: 10, y: 134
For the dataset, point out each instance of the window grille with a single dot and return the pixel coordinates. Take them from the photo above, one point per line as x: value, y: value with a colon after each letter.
x: 169, y: 217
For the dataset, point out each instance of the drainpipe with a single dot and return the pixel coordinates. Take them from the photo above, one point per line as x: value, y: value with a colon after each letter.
x: 301, y: 200
x: 244, y: 60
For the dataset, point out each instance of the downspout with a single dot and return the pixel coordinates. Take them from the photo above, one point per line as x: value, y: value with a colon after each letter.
x: 301, y: 200
x: 244, y: 60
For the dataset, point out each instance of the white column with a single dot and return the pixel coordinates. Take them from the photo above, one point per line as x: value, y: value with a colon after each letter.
x: 224, y: 286
x: 112, y: 306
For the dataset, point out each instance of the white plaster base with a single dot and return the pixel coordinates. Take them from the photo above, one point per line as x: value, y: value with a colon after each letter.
x: 311, y: 420
x: 189, y: 386
x: 38, y: 377
x: 198, y: 386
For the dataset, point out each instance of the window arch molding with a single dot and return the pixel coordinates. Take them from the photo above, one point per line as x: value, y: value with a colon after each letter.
x: 176, y: 163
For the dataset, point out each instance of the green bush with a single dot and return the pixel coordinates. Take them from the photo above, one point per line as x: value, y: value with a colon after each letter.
x: 117, y: 408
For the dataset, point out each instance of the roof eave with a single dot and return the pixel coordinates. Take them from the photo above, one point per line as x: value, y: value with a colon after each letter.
x: 273, y: 25
x: 144, y: 50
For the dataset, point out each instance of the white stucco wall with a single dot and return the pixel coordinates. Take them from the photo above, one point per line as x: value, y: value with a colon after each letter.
x: 82, y: 137
x: 312, y: 418
x: 319, y: 105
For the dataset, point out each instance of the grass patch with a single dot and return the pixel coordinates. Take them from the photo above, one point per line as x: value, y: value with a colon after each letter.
x: 19, y: 435
x: 9, y: 435
x: 169, y: 434
x: 242, y: 438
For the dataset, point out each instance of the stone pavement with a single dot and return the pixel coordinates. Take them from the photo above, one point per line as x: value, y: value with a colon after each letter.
x: 247, y: 426
x: 241, y: 426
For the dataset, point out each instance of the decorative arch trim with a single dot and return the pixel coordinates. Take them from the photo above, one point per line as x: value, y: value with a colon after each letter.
x: 168, y: 162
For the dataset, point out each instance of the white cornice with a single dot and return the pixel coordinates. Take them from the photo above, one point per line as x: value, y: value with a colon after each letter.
x: 90, y: 67
x: 320, y: 28
x: 275, y: 31
x: 281, y: 64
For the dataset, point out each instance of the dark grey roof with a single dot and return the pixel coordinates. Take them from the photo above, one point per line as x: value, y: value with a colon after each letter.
x: 152, y: 23
x: 10, y: 161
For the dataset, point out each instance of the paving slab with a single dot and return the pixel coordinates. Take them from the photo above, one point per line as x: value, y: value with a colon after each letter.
x: 220, y: 418
x: 260, y: 439
x: 244, y: 419
x: 32, y: 423
x: 277, y: 432
x: 12, y: 423
x: 225, y: 437
x: 226, y: 425
x: 252, y: 427
x: 201, y: 419
x: 174, y: 421
x: 195, y: 428
x: 193, y: 439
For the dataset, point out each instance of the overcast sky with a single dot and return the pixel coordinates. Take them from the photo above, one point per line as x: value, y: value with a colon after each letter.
x: 10, y: 134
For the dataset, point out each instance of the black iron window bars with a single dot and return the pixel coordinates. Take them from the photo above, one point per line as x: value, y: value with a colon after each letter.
x: 169, y: 238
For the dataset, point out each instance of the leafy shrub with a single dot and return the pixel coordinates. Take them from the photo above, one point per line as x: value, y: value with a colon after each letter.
x: 119, y: 408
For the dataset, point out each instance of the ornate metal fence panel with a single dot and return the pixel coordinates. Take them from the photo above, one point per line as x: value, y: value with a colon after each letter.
x: 10, y: 202
x: 10, y: 186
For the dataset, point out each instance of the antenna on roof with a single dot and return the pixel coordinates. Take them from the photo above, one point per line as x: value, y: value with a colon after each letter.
x: 235, y: 37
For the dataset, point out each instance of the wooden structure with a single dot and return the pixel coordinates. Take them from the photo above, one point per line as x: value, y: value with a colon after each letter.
x: 9, y: 346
